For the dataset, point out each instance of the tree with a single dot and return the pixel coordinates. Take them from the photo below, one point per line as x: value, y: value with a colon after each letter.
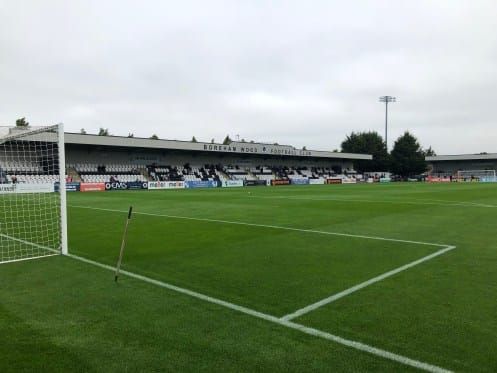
x: 22, y: 122
x: 304, y: 147
x: 408, y: 158
x: 368, y: 143
x: 103, y: 132
x: 82, y: 131
x: 227, y: 140
x: 194, y: 139
x: 154, y: 137
x: 430, y: 152
x: 212, y: 141
x: 130, y: 134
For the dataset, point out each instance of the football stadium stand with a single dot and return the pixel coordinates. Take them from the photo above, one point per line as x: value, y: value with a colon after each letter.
x: 96, y: 159
x: 450, y: 165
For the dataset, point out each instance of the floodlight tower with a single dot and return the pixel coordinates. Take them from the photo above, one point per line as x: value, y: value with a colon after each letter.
x: 386, y: 100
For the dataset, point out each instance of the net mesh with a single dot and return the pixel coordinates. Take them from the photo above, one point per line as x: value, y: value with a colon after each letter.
x: 30, y: 218
x: 481, y: 175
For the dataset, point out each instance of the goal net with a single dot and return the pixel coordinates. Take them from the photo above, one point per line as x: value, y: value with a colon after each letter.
x: 32, y: 193
x: 477, y: 175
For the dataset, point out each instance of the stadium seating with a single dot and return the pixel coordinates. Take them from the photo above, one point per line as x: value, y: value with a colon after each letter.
x: 93, y: 173
x: 33, y: 172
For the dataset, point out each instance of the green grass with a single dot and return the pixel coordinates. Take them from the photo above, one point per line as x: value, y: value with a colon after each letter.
x: 59, y: 314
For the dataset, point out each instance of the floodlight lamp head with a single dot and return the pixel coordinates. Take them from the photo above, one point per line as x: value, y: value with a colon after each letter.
x: 388, y: 99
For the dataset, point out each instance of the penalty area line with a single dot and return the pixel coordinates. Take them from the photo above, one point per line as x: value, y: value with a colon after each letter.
x: 364, y: 284
x: 269, y: 226
x: 289, y: 324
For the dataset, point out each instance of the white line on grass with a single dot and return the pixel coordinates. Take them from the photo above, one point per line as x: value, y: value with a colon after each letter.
x: 55, y: 252
x: 362, y: 285
x: 266, y: 226
x: 448, y: 204
x: 304, y: 329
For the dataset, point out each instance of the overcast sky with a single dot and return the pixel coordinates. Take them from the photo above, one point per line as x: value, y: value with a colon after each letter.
x: 292, y: 72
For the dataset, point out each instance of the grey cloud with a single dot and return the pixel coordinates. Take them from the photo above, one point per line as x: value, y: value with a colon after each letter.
x: 302, y: 73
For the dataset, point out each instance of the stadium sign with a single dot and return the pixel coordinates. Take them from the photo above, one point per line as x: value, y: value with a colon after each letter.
x: 302, y: 181
x: 333, y: 181
x: 349, y: 181
x: 92, y: 187
x: 156, y: 185
x: 232, y: 183
x: 254, y: 182
x: 257, y: 149
x: 316, y: 181
x: 116, y: 186
x: 280, y: 182
x: 200, y: 184
x: 70, y: 187
x: 27, y: 188
x: 134, y: 185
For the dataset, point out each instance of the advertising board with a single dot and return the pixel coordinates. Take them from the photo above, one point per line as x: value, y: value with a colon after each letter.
x: 255, y: 182
x: 70, y: 187
x: 27, y: 188
x: 200, y: 184
x: 92, y: 187
x: 316, y: 181
x: 232, y: 183
x: 155, y: 185
x: 349, y: 181
x: 280, y: 182
x: 302, y: 181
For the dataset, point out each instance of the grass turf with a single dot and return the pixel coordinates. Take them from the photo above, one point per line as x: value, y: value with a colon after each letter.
x: 62, y: 314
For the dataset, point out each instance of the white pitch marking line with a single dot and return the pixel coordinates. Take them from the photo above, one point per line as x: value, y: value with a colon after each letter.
x: 55, y: 252
x: 449, y: 204
x: 268, y: 226
x: 304, y: 329
x: 362, y: 285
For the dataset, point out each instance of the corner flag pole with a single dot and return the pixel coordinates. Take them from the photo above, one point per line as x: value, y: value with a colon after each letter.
x: 123, y: 243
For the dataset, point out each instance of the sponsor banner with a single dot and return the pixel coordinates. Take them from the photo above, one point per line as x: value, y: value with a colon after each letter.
x: 302, y: 181
x: 385, y: 180
x: 200, y: 184
x: 134, y: 185
x: 280, y: 182
x: 70, y: 187
x: 232, y: 183
x: 316, y: 181
x: 118, y: 185
x: 433, y: 179
x: 255, y: 182
x: 349, y: 181
x: 333, y: 181
x: 131, y: 185
x: 92, y: 187
x: 27, y: 188
x: 153, y: 185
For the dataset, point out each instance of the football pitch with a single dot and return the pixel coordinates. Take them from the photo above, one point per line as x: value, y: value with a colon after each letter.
x: 384, y: 277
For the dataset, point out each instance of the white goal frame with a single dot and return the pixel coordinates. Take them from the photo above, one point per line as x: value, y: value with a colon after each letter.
x: 54, y: 135
x: 465, y: 174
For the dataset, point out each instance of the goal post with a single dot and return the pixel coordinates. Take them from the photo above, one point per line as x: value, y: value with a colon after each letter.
x: 479, y: 175
x: 33, y: 211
